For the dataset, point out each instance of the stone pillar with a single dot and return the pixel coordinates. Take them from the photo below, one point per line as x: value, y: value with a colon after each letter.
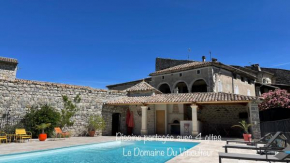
x: 255, y: 118
x: 144, y: 130
x: 194, y: 119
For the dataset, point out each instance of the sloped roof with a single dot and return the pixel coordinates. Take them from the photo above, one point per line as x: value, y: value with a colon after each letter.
x: 181, y: 67
x: 201, y: 97
x: 129, y: 83
x: 194, y: 65
x: 8, y: 60
x: 142, y: 86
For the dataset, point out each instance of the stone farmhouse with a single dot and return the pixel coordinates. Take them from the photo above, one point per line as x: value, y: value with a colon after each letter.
x: 180, y: 97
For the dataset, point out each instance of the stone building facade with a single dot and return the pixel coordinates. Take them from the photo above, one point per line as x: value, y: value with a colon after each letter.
x: 204, y: 77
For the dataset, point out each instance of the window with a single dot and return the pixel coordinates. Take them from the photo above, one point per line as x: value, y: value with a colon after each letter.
x: 220, y: 86
x: 198, y: 72
x: 162, y: 77
x: 180, y: 74
x: 250, y: 81
x: 242, y: 79
x: 264, y: 80
x: 248, y: 92
x: 235, y: 76
x: 237, y: 90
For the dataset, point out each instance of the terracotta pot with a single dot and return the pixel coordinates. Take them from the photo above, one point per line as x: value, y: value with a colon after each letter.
x: 42, y: 137
x: 247, y: 137
x: 92, y: 133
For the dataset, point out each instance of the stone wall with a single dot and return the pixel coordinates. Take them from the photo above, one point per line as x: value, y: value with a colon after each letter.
x: 255, y: 118
x: 221, y: 114
x: 19, y: 95
x: 107, y: 114
x: 138, y: 119
x: 7, y: 71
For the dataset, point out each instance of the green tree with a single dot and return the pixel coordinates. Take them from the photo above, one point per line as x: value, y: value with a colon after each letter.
x: 68, y: 111
x: 46, y: 114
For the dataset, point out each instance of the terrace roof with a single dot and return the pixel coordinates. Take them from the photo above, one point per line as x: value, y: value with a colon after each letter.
x: 185, y: 98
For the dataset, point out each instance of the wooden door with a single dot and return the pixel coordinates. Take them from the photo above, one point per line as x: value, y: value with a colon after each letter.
x: 160, y: 122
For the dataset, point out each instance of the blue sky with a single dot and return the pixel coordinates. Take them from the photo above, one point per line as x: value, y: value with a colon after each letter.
x: 97, y: 43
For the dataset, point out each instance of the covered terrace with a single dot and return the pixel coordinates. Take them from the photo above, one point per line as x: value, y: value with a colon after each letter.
x: 190, y: 113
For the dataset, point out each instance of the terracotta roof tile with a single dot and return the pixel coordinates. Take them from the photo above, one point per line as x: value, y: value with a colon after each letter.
x: 181, y: 67
x: 9, y: 60
x: 194, y: 65
x: 142, y: 86
x: 182, y: 98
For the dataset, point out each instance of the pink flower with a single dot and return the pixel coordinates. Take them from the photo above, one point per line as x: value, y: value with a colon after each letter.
x: 273, y: 99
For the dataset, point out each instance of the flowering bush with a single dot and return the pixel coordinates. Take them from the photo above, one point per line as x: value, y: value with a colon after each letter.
x: 275, y: 99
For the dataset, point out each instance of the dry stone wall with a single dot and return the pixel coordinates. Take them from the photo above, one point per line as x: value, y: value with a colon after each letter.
x: 19, y: 95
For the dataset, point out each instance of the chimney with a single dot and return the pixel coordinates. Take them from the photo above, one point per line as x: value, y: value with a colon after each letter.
x: 203, y: 58
x: 214, y: 60
x: 256, y: 67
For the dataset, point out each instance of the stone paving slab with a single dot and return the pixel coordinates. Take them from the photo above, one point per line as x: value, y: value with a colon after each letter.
x: 205, y: 152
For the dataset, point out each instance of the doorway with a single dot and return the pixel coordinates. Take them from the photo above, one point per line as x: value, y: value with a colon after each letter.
x: 116, y: 123
x: 160, y: 122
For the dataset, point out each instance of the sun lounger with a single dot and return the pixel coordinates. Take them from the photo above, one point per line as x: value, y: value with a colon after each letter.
x: 270, y: 143
x: 280, y: 157
x: 262, y: 140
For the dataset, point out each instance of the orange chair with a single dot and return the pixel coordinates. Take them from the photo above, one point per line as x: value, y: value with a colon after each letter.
x: 59, y: 132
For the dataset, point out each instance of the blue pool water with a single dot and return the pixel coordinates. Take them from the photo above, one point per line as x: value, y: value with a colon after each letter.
x: 110, y: 152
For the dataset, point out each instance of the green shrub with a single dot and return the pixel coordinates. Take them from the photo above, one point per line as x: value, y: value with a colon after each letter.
x: 96, y: 123
x: 46, y: 114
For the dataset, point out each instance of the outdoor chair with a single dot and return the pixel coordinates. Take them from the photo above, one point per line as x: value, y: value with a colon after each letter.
x: 272, y: 143
x: 262, y: 140
x: 59, y: 132
x: 22, y: 134
x: 3, y: 136
x: 280, y: 157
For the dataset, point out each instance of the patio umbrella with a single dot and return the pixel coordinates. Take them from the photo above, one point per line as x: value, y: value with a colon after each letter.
x: 131, y: 120
x: 128, y: 117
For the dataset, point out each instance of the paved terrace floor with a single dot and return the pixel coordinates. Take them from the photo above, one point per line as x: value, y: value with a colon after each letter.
x: 210, y: 149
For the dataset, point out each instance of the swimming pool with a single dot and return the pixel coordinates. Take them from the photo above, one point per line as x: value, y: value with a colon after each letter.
x: 110, y: 152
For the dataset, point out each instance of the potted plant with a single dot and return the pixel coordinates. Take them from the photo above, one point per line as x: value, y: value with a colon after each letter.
x: 95, y: 123
x: 245, y: 126
x: 42, y: 136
